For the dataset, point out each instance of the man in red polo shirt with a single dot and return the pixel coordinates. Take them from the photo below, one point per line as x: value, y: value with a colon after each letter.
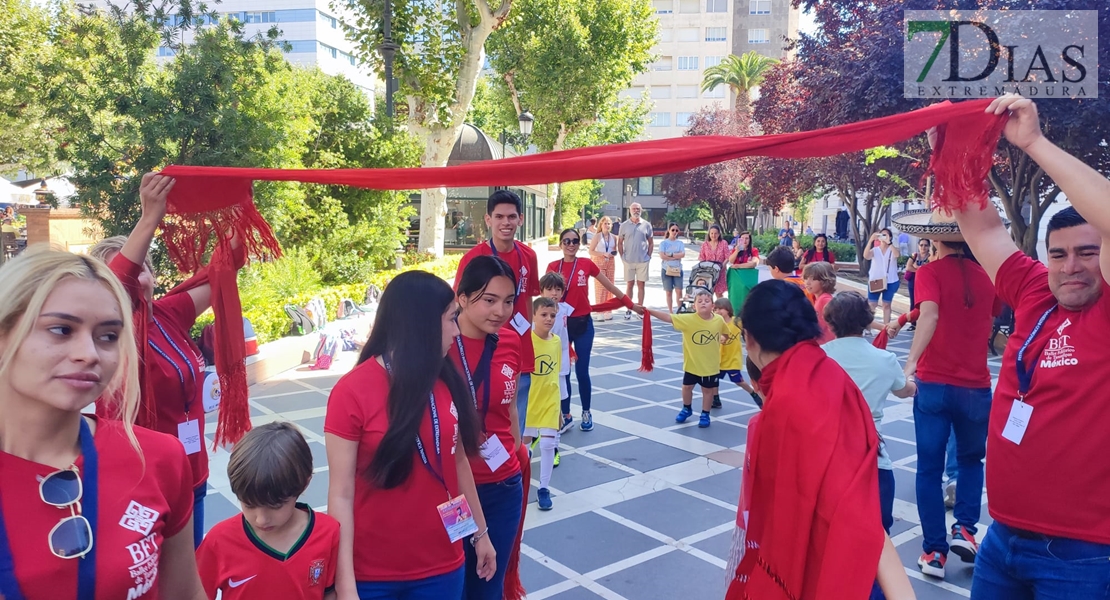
x: 1047, y: 468
x: 503, y: 210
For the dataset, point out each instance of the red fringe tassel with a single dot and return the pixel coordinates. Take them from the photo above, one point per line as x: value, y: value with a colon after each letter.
x: 962, y: 159
x: 647, y: 357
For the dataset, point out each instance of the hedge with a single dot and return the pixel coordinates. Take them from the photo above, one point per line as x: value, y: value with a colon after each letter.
x: 769, y: 241
x: 270, y: 321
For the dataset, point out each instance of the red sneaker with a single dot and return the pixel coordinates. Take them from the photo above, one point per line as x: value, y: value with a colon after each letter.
x: 963, y: 543
x: 932, y: 563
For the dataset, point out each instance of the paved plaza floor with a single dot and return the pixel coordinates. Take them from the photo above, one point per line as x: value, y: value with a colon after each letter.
x: 643, y: 507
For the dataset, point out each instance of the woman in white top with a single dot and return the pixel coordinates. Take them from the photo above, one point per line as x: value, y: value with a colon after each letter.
x: 603, y: 251
x: 884, y: 267
x: 876, y: 372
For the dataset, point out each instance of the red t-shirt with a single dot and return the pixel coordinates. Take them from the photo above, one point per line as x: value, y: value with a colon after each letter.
x: 957, y: 354
x: 819, y: 305
x: 523, y: 261
x: 140, y: 505
x: 176, y: 368
x: 233, y: 560
x: 577, y: 277
x: 502, y: 386
x: 399, y: 534
x: 1065, y: 443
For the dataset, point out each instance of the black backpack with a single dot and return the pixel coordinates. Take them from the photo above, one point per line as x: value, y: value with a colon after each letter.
x: 302, y: 323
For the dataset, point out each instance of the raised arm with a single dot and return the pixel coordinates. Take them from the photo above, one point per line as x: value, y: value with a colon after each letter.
x: 153, y: 191
x: 1086, y: 189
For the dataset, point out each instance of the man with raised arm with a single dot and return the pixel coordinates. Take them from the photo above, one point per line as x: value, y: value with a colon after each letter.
x: 1048, y: 470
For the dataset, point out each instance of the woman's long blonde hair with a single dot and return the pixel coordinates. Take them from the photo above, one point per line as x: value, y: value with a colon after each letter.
x: 28, y: 281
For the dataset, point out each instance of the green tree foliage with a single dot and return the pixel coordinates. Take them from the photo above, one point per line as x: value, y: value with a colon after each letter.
x: 577, y: 196
x: 691, y: 214
x: 438, y: 64
x: 230, y: 101
x: 26, y: 130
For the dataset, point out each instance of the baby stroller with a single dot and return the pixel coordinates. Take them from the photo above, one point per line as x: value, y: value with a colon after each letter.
x: 703, y: 276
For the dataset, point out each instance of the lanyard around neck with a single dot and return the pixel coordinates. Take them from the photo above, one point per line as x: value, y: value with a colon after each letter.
x: 1025, y: 375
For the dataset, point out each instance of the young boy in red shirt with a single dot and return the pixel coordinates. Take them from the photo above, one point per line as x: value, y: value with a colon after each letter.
x: 278, y: 548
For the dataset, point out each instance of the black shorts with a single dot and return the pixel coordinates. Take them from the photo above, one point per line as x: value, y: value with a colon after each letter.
x: 706, y: 381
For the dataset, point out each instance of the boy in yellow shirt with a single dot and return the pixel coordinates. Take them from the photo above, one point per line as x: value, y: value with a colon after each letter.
x: 702, y: 334
x: 543, y: 418
x: 732, y: 350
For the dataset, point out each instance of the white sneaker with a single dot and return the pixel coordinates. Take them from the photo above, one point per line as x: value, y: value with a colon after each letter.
x: 950, y: 494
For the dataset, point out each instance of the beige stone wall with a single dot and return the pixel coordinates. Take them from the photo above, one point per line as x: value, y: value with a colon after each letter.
x: 64, y: 228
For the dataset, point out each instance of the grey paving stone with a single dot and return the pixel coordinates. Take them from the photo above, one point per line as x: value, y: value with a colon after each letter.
x: 673, y: 575
x: 718, y: 432
x: 315, y: 425
x: 576, y: 472
x: 719, y: 545
x: 606, y: 401
x: 271, y: 387
x: 644, y: 455
x: 317, y: 493
x: 928, y: 591
x: 292, y: 402
x: 899, y: 450
x: 599, y: 434
x: 661, y: 392
x: 722, y: 486
x: 900, y: 429
x: 217, y: 508
x: 535, y: 576
x: 587, y: 542
x: 576, y: 593
x: 654, y: 415
x: 956, y: 571
x: 632, y: 356
x: 673, y: 513
x: 905, y: 485
x: 319, y: 455
x: 604, y: 362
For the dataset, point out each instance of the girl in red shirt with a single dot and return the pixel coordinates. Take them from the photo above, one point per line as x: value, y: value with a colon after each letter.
x: 89, y: 508
x: 580, y: 326
x: 489, y: 359
x: 400, y: 483
x: 171, y: 363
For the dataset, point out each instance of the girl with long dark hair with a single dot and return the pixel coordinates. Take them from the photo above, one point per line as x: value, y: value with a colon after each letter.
x: 813, y: 528
x: 818, y: 253
x: 392, y: 430
x: 580, y: 327
x: 489, y: 358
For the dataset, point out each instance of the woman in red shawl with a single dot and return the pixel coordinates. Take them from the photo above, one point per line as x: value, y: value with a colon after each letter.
x: 813, y: 528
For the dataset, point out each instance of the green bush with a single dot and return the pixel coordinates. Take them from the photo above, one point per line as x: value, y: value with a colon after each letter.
x: 265, y: 289
x: 769, y: 241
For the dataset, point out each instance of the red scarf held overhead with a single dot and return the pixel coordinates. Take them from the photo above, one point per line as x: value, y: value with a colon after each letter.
x: 814, y: 529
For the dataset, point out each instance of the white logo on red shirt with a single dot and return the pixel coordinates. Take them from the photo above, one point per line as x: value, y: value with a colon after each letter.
x: 1059, y: 352
x: 1063, y: 326
x: 144, y: 569
x: 139, y: 518
x: 234, y: 584
x: 581, y: 277
x: 510, y: 391
x: 507, y: 371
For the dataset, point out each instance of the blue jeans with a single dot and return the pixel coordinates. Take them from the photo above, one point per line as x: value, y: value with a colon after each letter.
x: 1013, y: 565
x: 951, y: 468
x: 448, y: 585
x: 199, y: 493
x: 580, y: 330
x: 886, y: 497
x: 502, y: 505
x: 937, y: 409
x: 522, y: 388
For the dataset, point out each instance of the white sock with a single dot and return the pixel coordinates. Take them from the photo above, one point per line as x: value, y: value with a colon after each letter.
x: 547, y: 459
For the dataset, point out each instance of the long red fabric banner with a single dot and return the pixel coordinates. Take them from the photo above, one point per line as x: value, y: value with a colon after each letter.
x: 202, y: 189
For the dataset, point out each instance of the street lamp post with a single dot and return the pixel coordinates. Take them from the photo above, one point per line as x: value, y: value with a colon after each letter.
x: 525, y: 122
x: 389, y: 50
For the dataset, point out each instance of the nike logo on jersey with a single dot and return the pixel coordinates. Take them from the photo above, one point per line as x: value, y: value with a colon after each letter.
x: 234, y: 584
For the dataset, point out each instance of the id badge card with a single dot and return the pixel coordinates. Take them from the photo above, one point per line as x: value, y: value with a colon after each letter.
x: 494, y: 453
x: 520, y: 324
x: 210, y: 394
x: 189, y: 434
x: 457, y: 518
x: 1017, y: 421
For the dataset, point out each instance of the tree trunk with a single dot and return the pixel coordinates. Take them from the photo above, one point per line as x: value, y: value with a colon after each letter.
x: 440, y: 137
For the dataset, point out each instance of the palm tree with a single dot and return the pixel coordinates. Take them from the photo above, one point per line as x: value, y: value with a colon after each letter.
x: 741, y: 74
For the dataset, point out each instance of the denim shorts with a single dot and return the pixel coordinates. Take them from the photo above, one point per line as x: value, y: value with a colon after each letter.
x: 671, y: 282
x: 887, y: 294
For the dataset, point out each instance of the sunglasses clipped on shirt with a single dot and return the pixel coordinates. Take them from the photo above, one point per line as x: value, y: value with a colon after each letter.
x: 571, y: 241
x: 72, y: 537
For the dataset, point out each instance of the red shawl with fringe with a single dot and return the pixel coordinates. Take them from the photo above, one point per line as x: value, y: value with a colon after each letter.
x: 814, y: 529
x: 215, y: 203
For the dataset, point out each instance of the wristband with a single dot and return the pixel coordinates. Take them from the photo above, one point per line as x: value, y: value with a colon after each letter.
x: 478, y: 536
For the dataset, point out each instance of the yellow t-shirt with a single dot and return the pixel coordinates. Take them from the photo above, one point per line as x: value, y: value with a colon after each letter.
x: 701, y: 344
x: 543, y: 395
x: 732, y: 351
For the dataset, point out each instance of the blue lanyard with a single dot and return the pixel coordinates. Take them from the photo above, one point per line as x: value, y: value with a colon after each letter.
x: 184, y: 357
x: 573, y: 268
x: 484, y: 369
x: 520, y: 259
x: 86, y: 565
x: 435, y: 433
x: 1025, y: 375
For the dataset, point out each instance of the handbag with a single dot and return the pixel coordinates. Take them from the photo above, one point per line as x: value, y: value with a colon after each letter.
x: 672, y: 271
x: 878, y: 286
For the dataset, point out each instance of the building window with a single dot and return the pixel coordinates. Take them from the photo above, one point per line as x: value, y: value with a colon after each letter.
x: 326, y: 49
x: 661, y: 92
x: 687, y: 91
x: 666, y: 35
x: 716, y: 34
x: 687, y: 63
x: 330, y: 20
x: 663, y: 64
x: 689, y: 6
x: 660, y: 119
x: 649, y: 186
x: 759, y: 7
x: 717, y: 92
x: 758, y: 36
x: 259, y: 17
x: 164, y: 51
x: 664, y: 7
x: 682, y: 119
x: 688, y: 34
x: 716, y: 6
x: 712, y: 61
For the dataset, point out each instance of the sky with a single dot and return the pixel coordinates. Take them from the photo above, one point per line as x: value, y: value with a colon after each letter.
x: 806, y: 24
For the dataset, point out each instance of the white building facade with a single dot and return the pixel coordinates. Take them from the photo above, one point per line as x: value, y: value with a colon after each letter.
x: 311, y: 29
